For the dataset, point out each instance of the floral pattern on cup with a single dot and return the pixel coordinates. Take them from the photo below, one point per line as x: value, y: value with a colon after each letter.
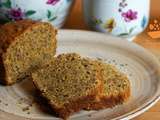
x: 16, y: 14
x: 110, y: 24
x: 123, y: 4
x: 127, y: 17
x: 12, y: 11
x: 130, y: 15
x: 51, y: 17
x: 52, y: 2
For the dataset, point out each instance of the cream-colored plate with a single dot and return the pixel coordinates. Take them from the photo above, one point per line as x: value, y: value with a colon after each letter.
x: 142, y: 68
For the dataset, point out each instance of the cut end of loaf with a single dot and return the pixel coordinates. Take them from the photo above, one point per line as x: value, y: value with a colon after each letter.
x: 30, y: 47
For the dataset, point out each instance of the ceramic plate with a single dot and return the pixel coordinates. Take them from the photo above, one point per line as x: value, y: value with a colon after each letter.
x: 19, y: 102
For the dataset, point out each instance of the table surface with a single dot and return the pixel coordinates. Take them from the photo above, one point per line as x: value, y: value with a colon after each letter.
x: 76, y: 21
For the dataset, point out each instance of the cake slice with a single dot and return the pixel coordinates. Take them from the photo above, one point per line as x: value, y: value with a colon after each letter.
x: 69, y: 83
x: 116, y: 88
x: 24, y: 46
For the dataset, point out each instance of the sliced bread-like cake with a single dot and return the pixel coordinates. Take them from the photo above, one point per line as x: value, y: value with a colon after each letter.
x: 69, y: 83
x: 24, y: 46
x: 116, y: 88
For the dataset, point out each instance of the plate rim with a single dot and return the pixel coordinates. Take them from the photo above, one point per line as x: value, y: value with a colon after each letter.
x: 125, y: 116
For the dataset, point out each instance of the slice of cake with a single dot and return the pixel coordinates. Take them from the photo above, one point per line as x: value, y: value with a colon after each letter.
x: 116, y: 88
x: 69, y: 83
x: 24, y: 46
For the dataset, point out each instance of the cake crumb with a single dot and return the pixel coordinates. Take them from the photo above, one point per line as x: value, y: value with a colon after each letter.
x: 25, y: 109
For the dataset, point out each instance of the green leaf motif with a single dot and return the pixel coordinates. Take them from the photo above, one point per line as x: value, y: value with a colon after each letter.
x: 123, y: 34
x: 7, y: 4
x: 131, y: 29
x: 49, y: 14
x: 52, y: 19
x: 30, y: 12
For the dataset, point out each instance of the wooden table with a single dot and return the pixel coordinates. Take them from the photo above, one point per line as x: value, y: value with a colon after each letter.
x: 76, y: 21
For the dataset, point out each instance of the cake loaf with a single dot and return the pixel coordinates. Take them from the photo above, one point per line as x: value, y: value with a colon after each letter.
x: 24, y: 46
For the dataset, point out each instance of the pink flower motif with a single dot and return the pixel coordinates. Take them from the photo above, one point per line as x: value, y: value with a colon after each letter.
x: 52, y: 2
x: 16, y: 14
x: 129, y: 15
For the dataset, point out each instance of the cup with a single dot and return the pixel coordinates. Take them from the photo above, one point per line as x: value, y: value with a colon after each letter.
x: 53, y: 11
x: 122, y: 18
